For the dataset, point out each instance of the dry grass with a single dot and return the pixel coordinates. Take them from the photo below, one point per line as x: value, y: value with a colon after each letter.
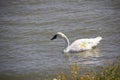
x: 109, y: 72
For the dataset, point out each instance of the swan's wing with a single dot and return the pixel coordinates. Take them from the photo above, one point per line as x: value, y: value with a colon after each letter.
x: 80, y: 45
x: 84, y: 44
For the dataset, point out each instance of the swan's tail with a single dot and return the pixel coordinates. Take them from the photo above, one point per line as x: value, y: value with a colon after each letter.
x: 98, y: 39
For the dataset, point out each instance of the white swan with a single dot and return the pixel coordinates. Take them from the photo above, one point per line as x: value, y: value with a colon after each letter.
x: 78, y: 45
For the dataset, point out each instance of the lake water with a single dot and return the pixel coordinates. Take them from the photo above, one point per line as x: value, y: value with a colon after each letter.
x: 26, y: 27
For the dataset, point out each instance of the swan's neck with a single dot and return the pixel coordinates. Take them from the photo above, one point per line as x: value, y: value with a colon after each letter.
x: 66, y: 42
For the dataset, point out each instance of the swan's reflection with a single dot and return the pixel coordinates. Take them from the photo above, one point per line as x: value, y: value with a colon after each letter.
x: 90, y: 53
x: 86, y: 57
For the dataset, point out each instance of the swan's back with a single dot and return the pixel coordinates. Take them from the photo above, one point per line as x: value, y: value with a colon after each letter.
x: 83, y: 44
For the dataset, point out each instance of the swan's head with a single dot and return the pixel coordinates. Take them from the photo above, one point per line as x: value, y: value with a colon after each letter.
x: 57, y: 35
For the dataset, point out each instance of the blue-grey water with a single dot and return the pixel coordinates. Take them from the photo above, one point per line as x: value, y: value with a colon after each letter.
x: 26, y: 27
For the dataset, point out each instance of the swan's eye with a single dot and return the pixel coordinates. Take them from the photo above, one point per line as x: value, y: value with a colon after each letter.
x: 54, y: 37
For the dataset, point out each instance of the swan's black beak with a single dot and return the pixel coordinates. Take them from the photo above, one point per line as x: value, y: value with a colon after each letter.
x: 54, y: 37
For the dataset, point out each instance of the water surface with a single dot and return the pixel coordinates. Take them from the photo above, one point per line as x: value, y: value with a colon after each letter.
x: 26, y: 51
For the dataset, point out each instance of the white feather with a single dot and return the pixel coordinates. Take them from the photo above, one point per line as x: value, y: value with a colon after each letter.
x: 80, y: 44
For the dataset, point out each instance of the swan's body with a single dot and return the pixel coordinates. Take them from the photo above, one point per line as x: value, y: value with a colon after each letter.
x: 78, y: 45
